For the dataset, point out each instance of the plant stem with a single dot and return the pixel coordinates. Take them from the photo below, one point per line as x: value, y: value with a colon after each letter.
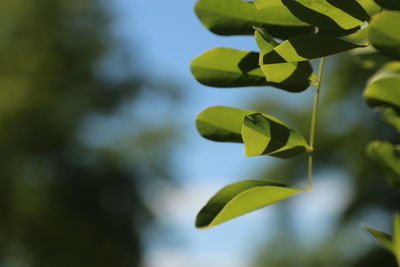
x: 314, y: 122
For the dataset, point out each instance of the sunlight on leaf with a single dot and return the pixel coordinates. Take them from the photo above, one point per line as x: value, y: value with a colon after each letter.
x: 263, y: 136
x: 240, y: 198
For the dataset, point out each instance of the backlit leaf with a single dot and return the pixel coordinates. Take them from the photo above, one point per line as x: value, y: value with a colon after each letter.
x: 384, y: 33
x: 299, y: 75
x: 226, y: 124
x: 330, y: 15
x: 227, y: 67
x: 237, y: 17
x: 263, y: 136
x: 242, y: 197
x: 392, y: 117
x: 387, y: 156
x: 305, y: 47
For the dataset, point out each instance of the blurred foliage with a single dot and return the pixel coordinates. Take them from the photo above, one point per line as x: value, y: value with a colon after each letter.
x: 62, y: 201
x: 345, y: 126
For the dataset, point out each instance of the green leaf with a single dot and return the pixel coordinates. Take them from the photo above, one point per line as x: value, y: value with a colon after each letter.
x: 396, y: 236
x: 392, y: 117
x: 226, y: 124
x: 237, y: 17
x: 227, y: 67
x: 298, y: 75
x: 370, y: 7
x: 383, y: 238
x: 263, y: 136
x: 389, y: 4
x: 387, y: 156
x: 384, y: 92
x: 305, y: 47
x: 384, y: 33
x: 242, y: 197
x: 329, y: 15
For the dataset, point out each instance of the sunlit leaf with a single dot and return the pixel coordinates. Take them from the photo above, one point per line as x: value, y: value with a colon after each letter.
x: 296, y: 74
x: 383, y: 238
x: 242, y: 197
x: 331, y: 15
x: 305, y: 47
x: 263, y: 136
x: 237, y: 17
x: 227, y: 67
x: 387, y: 156
x: 384, y: 33
x: 389, y: 4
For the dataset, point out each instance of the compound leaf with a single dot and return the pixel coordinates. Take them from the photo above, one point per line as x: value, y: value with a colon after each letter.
x: 384, y: 34
x: 242, y: 197
x: 263, y: 136
x: 237, y: 17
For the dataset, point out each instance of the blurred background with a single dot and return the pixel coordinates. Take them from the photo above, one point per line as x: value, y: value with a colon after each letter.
x: 101, y: 164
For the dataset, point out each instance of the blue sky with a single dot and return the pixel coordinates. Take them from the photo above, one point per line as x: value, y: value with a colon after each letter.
x: 167, y: 35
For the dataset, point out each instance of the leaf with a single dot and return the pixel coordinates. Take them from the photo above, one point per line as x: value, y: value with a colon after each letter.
x: 396, y: 236
x: 329, y: 15
x: 224, y: 124
x: 263, y: 136
x: 384, y: 92
x: 242, y: 197
x: 237, y: 17
x: 296, y: 74
x: 227, y: 67
x: 384, y: 34
x: 387, y: 156
x: 383, y: 238
x: 392, y: 117
x: 305, y: 47
x: 370, y: 7
x: 389, y: 4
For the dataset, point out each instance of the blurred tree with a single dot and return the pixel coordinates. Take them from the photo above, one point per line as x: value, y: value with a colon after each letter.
x: 345, y: 126
x: 63, y: 202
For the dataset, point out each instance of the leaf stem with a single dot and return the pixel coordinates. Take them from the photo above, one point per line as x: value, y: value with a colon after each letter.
x: 314, y: 122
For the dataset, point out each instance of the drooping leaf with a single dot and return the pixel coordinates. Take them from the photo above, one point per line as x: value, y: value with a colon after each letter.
x: 263, y: 136
x: 384, y: 33
x: 389, y: 4
x: 298, y: 74
x: 384, y: 92
x: 242, y: 197
x: 392, y: 117
x: 227, y: 67
x: 225, y: 124
x: 305, y: 47
x: 328, y: 15
x: 387, y: 156
x: 237, y: 17
x: 383, y: 238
